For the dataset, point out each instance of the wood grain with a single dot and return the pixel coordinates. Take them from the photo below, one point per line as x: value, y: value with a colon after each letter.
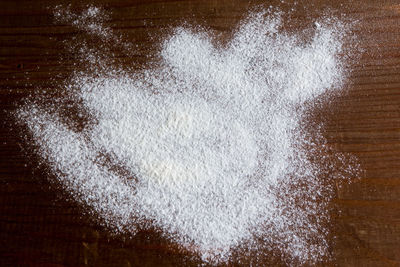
x: 39, y: 227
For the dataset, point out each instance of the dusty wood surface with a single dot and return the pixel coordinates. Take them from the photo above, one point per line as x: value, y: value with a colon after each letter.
x: 38, y: 227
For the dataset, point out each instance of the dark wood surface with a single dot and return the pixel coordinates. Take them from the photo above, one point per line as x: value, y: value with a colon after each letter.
x: 39, y: 227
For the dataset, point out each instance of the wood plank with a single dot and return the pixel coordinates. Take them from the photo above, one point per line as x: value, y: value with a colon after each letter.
x: 39, y: 226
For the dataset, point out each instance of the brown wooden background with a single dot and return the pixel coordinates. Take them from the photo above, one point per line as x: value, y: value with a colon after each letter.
x: 38, y: 227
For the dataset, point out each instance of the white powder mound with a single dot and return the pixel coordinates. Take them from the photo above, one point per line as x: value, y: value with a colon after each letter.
x: 208, y: 144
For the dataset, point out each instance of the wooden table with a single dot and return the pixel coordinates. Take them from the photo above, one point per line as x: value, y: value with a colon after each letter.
x: 40, y: 227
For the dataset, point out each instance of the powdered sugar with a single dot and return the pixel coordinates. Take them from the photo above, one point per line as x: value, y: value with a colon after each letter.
x: 213, y: 137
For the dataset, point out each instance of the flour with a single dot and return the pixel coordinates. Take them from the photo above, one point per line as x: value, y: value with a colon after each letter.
x: 211, y: 139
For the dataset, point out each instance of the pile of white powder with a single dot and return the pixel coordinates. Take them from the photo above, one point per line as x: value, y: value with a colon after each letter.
x: 208, y: 144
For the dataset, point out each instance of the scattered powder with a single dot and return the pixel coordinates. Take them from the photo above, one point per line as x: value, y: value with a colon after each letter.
x: 91, y: 20
x: 209, y: 144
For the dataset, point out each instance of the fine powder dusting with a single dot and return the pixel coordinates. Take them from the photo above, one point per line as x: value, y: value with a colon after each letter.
x: 209, y: 144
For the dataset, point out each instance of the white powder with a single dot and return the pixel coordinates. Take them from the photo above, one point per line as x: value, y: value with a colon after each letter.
x: 209, y: 144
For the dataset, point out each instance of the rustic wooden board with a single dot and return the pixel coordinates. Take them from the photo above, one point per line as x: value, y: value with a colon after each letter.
x: 38, y: 227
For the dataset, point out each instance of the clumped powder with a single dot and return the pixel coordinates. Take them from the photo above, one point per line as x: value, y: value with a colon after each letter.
x: 209, y: 144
